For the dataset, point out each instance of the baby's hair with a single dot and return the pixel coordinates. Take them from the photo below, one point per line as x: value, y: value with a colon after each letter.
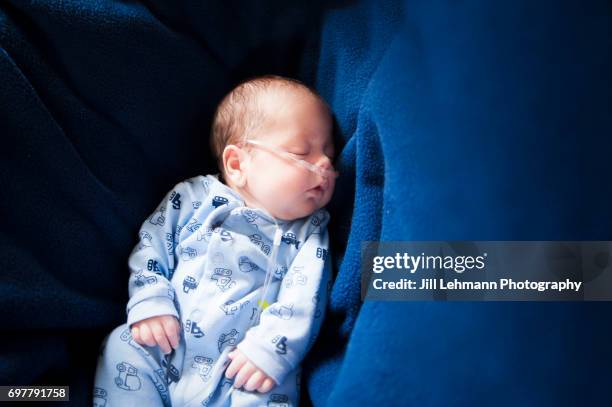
x: 239, y: 113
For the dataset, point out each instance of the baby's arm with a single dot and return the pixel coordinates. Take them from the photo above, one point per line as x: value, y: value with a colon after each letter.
x: 288, y: 327
x: 152, y: 314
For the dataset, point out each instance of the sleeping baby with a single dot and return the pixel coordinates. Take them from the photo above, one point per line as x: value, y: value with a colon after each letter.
x: 229, y: 281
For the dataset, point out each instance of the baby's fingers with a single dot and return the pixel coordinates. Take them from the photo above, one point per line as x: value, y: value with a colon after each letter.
x: 255, y: 381
x: 136, y: 334
x: 146, y: 336
x: 237, y: 361
x: 172, y: 329
x: 266, y: 386
x: 244, y: 374
x: 160, y: 337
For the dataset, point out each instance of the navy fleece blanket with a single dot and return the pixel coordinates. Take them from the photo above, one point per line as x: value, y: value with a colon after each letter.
x: 470, y: 120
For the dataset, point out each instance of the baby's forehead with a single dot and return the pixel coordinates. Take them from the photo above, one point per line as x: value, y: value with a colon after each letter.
x: 286, y: 106
x: 287, y: 95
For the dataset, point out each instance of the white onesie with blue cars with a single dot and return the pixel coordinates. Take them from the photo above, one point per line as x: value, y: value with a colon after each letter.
x: 202, y: 257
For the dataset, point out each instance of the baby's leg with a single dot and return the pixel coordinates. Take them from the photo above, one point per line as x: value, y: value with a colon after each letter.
x: 129, y: 374
x: 286, y: 394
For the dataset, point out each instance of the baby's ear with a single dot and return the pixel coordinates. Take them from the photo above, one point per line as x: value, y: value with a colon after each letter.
x: 233, y: 163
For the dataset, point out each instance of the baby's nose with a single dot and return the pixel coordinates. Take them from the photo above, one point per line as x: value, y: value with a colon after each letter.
x: 325, y: 163
x: 329, y: 172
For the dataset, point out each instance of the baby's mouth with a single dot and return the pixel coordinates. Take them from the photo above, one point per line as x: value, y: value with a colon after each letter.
x: 318, y: 190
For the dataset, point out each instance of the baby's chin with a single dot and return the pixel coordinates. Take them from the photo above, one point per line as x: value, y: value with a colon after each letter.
x: 297, y: 212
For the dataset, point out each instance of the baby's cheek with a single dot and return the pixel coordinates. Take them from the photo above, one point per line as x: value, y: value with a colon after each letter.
x: 277, y: 176
x: 290, y: 183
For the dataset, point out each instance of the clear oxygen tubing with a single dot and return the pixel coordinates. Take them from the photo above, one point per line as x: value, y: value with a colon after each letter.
x: 324, y: 172
x: 278, y: 234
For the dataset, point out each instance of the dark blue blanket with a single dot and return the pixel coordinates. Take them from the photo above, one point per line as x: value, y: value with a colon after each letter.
x: 457, y: 120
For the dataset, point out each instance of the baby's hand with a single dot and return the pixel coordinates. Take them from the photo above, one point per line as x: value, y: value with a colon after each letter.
x: 248, y: 375
x: 163, y: 330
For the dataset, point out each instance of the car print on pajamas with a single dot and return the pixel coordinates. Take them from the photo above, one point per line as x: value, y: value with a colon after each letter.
x: 160, y: 384
x: 280, y: 271
x: 189, y: 283
x: 225, y: 235
x: 278, y: 400
x: 282, y: 311
x: 219, y: 200
x: 192, y: 328
x: 172, y: 373
x: 127, y: 378
x: 175, y: 198
x: 145, y: 240
x: 204, y: 234
x: 203, y: 365
x: 321, y: 253
x: 158, y: 218
x: 230, y: 307
x: 142, y: 280
x: 193, y: 225
x: 281, y: 344
x: 258, y: 241
x: 99, y: 397
x: 296, y: 277
x: 170, y: 244
x: 227, y: 338
x: 290, y: 239
x: 246, y: 265
x: 160, y: 373
x: 188, y: 253
x: 177, y: 233
x: 316, y: 221
x: 249, y: 215
x: 153, y: 265
x: 222, y: 277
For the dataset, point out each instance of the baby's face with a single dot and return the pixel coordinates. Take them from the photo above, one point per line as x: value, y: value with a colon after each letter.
x: 298, y: 123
